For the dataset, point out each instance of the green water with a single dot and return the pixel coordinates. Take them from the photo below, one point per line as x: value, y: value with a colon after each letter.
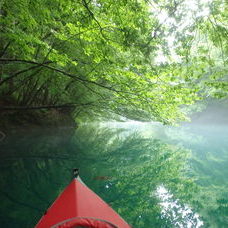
x: 154, y: 176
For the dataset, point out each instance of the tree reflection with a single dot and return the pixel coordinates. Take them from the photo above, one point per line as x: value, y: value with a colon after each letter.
x: 124, y: 169
x: 137, y: 166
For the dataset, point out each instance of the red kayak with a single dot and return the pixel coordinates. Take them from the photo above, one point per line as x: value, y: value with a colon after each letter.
x: 78, y: 206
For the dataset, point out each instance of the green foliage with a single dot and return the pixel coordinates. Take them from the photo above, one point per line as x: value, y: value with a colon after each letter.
x: 101, y: 56
x: 135, y: 167
x: 38, y: 166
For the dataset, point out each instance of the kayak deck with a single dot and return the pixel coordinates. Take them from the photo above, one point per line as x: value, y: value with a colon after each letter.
x: 78, y: 206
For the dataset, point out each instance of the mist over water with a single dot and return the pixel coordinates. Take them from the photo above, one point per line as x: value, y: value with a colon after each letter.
x: 214, y: 114
x: 206, y: 138
x: 177, y: 176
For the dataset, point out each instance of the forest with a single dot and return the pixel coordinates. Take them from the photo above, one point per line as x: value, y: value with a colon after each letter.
x: 81, y: 63
x: 136, y: 59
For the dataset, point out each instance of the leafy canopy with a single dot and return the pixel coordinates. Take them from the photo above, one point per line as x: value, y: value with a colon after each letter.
x: 102, y: 57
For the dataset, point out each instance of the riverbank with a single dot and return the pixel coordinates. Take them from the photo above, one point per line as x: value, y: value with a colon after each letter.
x: 14, y: 121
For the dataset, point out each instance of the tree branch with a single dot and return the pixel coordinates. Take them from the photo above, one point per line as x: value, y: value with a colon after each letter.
x: 5, y: 49
x: 23, y: 108
x: 20, y: 72
x: 60, y: 71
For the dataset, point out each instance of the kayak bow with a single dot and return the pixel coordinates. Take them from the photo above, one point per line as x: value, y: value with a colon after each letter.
x: 78, y: 206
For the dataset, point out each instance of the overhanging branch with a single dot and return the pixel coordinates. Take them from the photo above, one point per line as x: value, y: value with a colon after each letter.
x: 59, y: 71
x: 23, y: 108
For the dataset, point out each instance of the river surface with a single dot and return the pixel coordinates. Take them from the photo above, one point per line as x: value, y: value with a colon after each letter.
x: 154, y: 176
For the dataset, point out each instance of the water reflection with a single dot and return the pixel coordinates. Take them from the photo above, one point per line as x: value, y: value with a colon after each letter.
x: 180, y: 215
x: 121, y: 163
x: 207, y: 164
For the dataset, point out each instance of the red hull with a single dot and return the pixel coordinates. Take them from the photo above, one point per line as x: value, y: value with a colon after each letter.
x: 76, y: 206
